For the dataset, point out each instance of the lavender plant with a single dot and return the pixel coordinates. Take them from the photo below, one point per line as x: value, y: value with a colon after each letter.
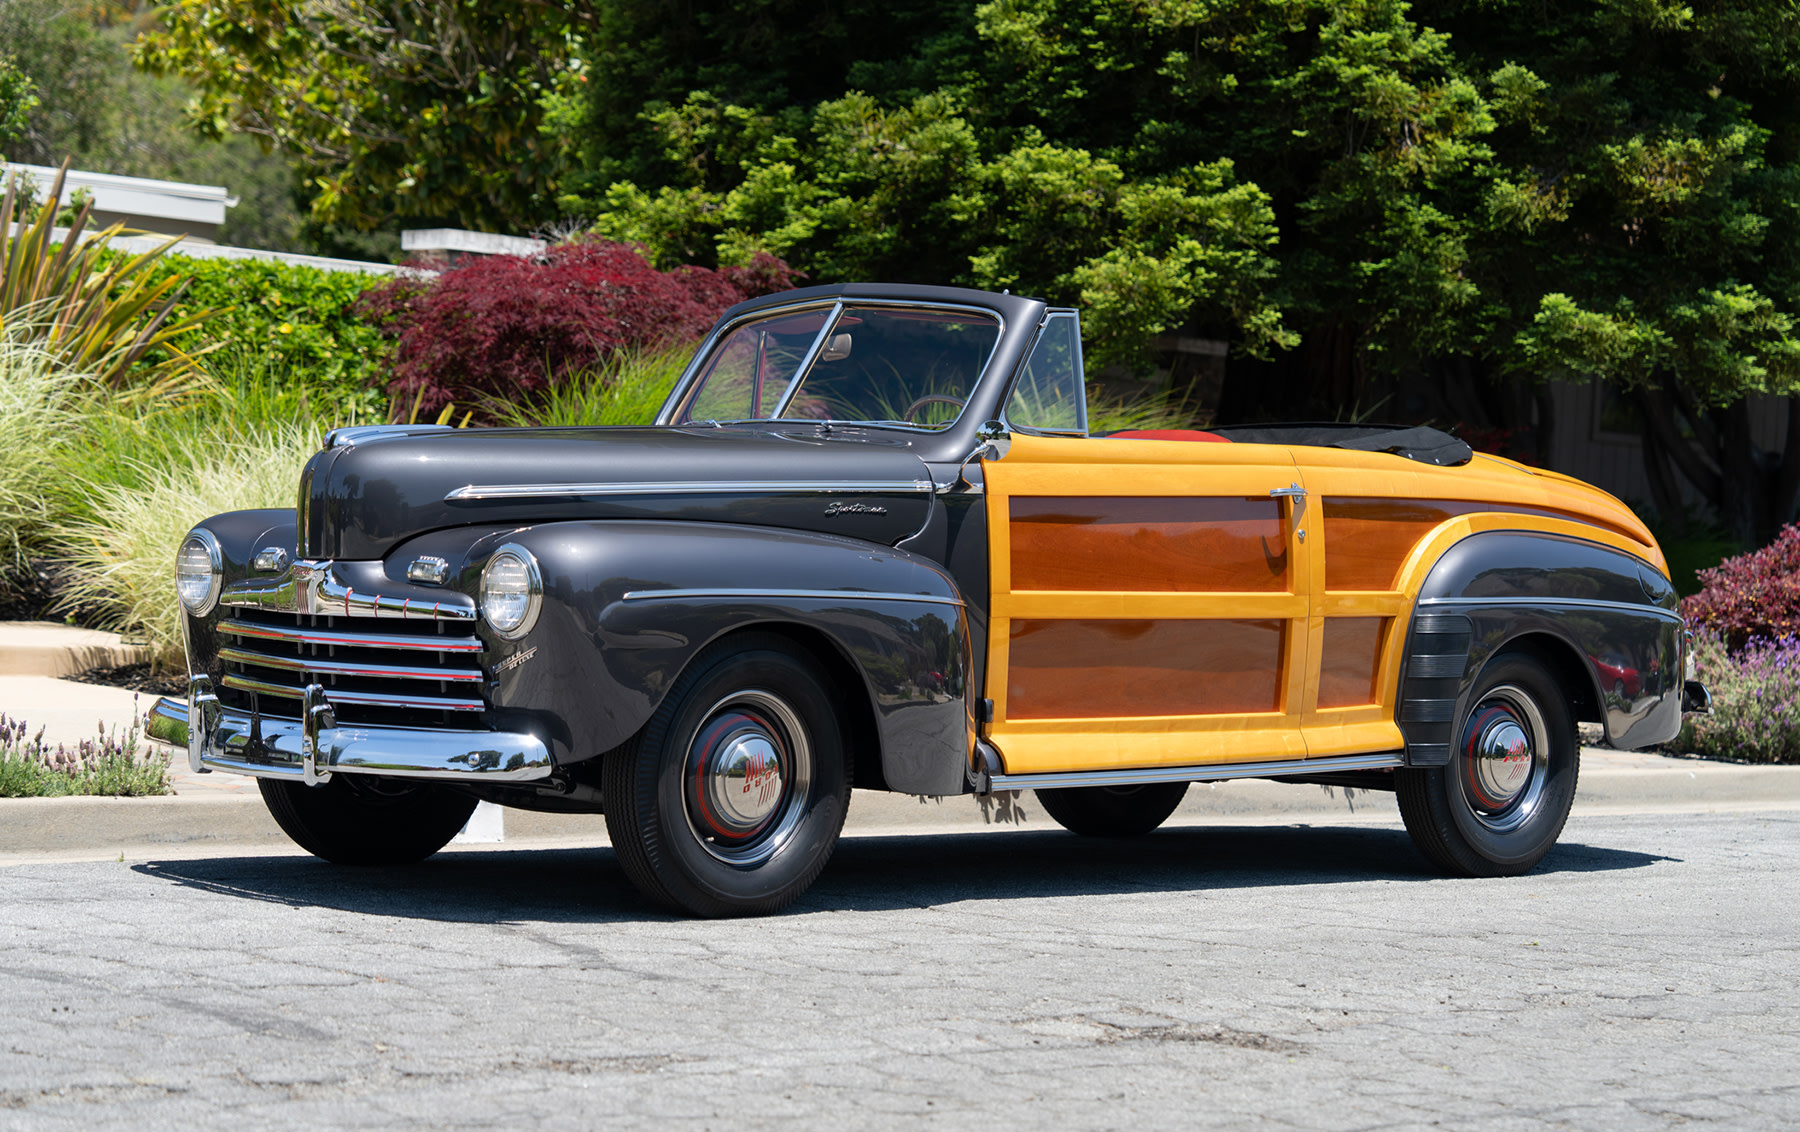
x: 1756, y: 700
x: 110, y: 764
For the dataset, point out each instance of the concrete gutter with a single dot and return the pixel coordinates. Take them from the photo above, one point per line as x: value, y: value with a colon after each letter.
x: 223, y: 814
x: 214, y: 814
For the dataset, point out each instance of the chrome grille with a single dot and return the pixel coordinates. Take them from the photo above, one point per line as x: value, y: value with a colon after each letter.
x: 412, y: 676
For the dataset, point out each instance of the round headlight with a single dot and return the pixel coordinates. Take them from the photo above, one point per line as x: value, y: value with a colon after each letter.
x: 198, y: 572
x: 511, y: 591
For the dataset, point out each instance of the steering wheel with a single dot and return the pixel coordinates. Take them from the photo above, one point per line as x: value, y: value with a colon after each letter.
x: 932, y: 399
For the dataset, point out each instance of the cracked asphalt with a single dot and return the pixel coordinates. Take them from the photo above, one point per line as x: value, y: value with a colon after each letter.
x: 1233, y: 977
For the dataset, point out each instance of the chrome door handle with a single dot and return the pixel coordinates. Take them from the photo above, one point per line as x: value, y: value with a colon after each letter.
x: 1293, y: 492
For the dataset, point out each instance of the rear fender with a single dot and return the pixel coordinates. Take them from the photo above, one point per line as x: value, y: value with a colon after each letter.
x: 1604, y: 619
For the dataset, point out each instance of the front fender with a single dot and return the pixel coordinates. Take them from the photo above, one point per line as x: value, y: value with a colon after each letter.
x: 628, y: 605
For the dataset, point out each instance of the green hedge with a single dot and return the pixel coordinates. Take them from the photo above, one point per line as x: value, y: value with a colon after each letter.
x: 289, y: 318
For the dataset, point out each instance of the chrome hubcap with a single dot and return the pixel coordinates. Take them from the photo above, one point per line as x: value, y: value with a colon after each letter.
x: 1505, y: 758
x: 746, y: 770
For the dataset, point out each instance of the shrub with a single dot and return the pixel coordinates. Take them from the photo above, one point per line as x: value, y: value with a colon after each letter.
x: 496, y: 328
x: 291, y: 318
x: 109, y: 764
x: 1752, y: 595
x: 138, y: 478
x: 1756, y: 700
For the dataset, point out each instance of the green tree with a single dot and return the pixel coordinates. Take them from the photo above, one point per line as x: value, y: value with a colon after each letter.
x: 403, y: 111
x: 18, y: 98
x: 1513, y: 192
x: 1642, y: 226
x: 95, y: 108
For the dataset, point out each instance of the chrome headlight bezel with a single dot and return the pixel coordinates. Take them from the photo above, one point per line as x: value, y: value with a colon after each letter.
x: 505, y: 628
x: 215, y: 559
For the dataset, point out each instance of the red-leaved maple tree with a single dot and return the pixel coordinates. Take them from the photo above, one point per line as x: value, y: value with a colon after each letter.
x: 498, y: 327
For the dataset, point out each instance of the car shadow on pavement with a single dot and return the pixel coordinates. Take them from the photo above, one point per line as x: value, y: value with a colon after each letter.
x: 867, y: 873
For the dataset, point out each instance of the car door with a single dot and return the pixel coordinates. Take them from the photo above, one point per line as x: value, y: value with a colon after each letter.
x: 1377, y: 529
x: 1150, y: 604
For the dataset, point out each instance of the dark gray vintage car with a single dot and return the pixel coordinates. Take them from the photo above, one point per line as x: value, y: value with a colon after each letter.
x: 869, y: 541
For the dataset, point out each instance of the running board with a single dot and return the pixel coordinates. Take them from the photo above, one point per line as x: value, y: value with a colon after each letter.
x: 1210, y: 773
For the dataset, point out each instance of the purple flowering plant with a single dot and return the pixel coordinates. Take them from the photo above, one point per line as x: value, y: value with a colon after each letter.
x: 111, y: 763
x: 1756, y: 700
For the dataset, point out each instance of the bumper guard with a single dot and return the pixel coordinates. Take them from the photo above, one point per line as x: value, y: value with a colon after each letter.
x: 313, y: 748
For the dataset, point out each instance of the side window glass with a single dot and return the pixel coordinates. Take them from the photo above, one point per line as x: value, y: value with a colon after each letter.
x: 1050, y: 394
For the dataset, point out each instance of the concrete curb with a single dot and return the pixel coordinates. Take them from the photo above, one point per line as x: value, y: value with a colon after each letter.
x: 45, y: 648
x: 211, y: 819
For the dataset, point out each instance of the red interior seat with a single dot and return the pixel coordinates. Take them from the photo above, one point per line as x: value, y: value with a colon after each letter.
x: 1190, y: 434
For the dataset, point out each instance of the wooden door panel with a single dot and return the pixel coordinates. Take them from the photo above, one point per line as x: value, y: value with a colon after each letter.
x: 1148, y: 606
x: 1094, y: 669
x: 1158, y: 543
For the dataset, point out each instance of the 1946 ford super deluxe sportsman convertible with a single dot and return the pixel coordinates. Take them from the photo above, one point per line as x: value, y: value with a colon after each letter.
x: 869, y: 540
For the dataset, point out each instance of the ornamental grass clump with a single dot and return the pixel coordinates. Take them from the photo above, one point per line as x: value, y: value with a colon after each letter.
x: 111, y: 764
x: 35, y: 392
x: 137, y: 477
x: 1756, y: 700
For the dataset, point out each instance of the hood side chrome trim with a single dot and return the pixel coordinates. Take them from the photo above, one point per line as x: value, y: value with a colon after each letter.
x: 476, y: 491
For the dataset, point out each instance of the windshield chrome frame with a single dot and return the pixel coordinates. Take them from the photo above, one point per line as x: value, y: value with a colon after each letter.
x: 684, y: 388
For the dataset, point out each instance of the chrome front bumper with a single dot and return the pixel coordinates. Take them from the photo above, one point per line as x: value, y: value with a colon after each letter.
x: 313, y: 748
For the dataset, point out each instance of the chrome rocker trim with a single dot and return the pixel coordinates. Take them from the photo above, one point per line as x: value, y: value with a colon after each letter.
x: 1210, y: 773
x: 313, y: 749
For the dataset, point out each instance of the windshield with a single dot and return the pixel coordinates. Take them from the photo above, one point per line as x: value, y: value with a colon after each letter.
x: 861, y: 363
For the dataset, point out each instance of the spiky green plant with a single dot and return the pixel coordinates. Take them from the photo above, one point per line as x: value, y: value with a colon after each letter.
x: 95, y: 312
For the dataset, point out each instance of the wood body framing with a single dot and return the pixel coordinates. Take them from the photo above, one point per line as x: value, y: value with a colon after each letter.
x: 1158, y: 603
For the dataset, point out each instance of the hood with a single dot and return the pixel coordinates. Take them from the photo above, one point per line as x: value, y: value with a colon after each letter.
x: 357, y: 501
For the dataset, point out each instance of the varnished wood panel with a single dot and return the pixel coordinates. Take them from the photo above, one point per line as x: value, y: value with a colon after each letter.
x: 1110, y: 669
x: 1366, y: 540
x: 1169, y: 543
x: 1351, y: 654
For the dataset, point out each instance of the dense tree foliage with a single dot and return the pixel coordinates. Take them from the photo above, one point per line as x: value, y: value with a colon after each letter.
x: 1604, y: 191
x: 405, y: 110
x: 1366, y: 193
x: 88, y: 103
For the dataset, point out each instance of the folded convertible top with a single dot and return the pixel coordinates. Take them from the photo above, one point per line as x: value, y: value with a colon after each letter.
x: 1426, y: 445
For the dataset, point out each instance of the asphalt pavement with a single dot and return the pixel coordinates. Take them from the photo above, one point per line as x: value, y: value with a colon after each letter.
x: 1223, y: 976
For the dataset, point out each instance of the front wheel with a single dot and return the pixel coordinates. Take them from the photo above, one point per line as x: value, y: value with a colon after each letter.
x: 1112, y: 811
x: 360, y: 820
x: 1500, y: 804
x: 731, y: 799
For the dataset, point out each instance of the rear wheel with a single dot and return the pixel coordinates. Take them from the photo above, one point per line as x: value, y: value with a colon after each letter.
x: 1500, y: 805
x: 1112, y: 811
x: 730, y: 801
x: 362, y: 820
